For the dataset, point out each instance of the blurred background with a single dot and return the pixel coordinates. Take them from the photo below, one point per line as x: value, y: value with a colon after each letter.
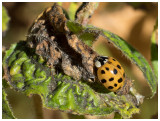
x: 134, y: 22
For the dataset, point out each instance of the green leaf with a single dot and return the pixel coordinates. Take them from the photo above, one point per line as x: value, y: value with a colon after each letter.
x: 121, y: 44
x: 74, y: 27
x: 6, y: 111
x: 5, y: 19
x: 60, y: 91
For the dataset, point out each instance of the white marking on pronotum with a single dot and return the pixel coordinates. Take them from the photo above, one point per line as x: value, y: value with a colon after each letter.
x: 106, y: 60
x: 97, y: 64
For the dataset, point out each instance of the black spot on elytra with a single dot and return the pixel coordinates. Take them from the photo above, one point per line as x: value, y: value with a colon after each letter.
x: 115, y: 71
x: 102, y: 72
x: 114, y: 59
x: 115, y: 85
x: 110, y: 87
x: 107, y: 68
x: 120, y: 80
x: 119, y: 66
x: 111, y: 79
x: 103, y: 81
x: 109, y: 62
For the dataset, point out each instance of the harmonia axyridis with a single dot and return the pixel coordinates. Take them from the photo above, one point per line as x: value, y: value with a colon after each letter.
x: 110, y: 73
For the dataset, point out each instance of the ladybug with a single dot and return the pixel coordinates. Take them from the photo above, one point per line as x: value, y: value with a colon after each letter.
x: 110, y: 72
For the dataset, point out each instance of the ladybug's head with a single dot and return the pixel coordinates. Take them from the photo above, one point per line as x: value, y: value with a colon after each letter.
x: 100, y: 60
